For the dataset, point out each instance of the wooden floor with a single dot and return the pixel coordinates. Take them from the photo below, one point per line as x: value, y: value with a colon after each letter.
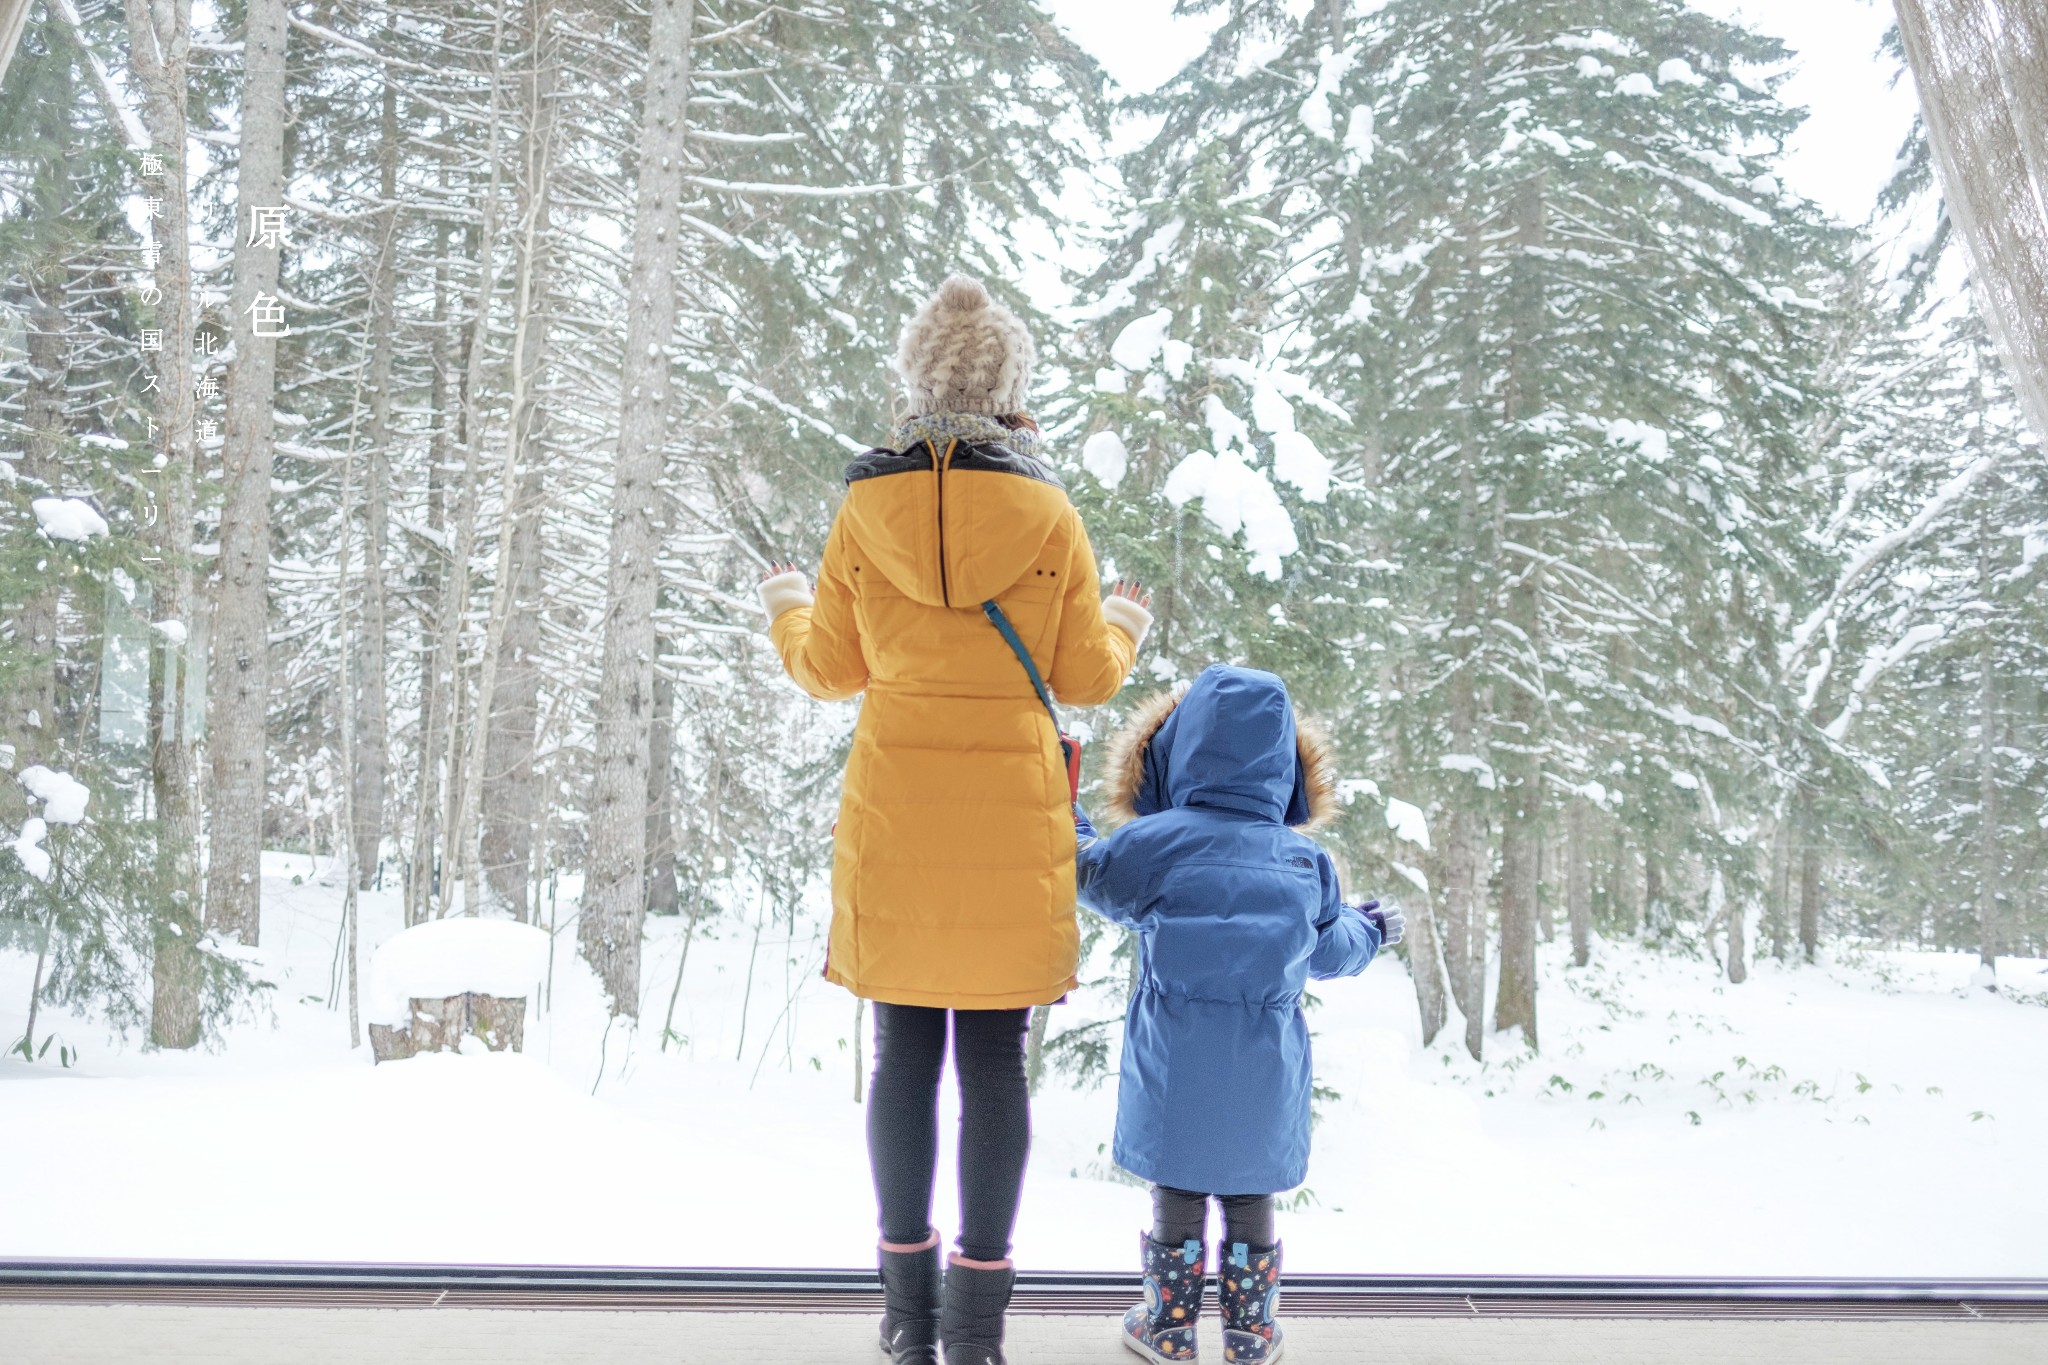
x: 170, y: 1334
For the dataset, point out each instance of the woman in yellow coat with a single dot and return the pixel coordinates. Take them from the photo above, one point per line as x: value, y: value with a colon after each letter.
x: 953, y: 858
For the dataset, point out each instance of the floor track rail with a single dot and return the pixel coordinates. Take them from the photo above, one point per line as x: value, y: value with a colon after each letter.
x: 279, y: 1284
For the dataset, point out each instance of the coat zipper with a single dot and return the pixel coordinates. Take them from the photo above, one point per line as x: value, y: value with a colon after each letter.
x: 939, y: 466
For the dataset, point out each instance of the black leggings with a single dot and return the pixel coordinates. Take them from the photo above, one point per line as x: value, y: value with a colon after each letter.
x: 1183, y: 1216
x: 995, y: 1121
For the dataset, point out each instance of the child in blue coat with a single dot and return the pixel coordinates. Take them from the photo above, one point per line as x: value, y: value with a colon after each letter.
x: 1234, y: 910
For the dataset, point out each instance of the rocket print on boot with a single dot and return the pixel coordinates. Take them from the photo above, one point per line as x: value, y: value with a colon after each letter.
x: 1162, y: 1328
x: 1249, y: 1297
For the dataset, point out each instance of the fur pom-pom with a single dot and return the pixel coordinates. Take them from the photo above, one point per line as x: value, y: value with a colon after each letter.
x: 963, y: 293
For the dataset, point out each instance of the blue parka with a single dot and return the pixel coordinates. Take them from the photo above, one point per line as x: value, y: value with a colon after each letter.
x: 1234, y: 912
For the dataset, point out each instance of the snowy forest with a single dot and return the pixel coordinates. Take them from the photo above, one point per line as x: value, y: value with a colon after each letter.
x: 400, y: 398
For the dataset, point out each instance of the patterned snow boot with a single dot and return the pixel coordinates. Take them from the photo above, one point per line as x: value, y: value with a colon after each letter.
x: 971, y: 1320
x: 910, y: 1305
x: 1248, y: 1296
x: 1162, y: 1328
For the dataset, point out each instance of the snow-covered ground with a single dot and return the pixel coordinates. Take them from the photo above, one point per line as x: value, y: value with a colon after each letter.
x: 1874, y: 1116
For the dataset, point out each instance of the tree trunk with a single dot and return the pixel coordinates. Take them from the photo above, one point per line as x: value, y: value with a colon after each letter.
x: 661, y: 801
x: 239, y: 697
x: 1034, y: 1051
x: 1578, y: 883
x: 1809, y: 884
x: 160, y: 36
x: 1426, y: 967
x: 1778, y: 906
x: 1465, y: 927
x: 1653, y: 895
x: 615, y: 896
x: 373, y: 724
x: 1521, y: 841
x: 1738, y: 941
x: 516, y: 512
x: 511, y: 791
x: 1987, y: 765
x: 422, y: 864
x: 28, y: 713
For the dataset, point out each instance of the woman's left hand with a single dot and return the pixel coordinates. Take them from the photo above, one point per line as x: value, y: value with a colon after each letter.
x: 779, y: 597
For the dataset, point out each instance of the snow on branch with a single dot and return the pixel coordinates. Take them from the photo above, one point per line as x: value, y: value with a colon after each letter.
x: 1867, y: 559
x: 803, y: 191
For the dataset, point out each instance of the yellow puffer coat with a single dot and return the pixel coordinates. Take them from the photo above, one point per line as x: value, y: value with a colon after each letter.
x: 953, y: 859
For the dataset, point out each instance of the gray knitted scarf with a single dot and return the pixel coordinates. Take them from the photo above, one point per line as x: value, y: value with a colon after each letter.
x: 966, y: 427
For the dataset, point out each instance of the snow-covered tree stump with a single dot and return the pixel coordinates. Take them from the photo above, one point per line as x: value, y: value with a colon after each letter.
x: 440, y: 1024
x: 435, y: 984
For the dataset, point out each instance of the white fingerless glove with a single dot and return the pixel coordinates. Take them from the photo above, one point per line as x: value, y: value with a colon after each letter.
x: 785, y: 591
x: 1128, y: 616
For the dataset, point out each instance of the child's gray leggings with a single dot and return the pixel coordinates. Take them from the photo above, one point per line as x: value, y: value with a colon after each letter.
x: 1183, y: 1215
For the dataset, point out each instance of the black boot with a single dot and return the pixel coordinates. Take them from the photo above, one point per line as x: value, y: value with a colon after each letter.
x: 910, y: 1305
x: 971, y: 1325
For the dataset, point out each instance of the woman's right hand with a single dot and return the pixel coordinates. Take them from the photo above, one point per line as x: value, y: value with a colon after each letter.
x: 776, y: 568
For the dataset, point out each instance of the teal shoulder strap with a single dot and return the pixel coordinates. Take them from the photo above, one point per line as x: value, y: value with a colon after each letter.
x: 1009, y: 632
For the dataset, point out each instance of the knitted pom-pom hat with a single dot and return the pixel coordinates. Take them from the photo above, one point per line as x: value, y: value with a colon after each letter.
x: 964, y: 352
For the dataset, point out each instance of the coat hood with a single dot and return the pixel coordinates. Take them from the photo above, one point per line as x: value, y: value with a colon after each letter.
x: 952, y: 522
x: 1228, y: 739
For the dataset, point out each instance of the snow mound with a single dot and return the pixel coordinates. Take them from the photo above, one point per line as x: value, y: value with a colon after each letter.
x: 1408, y: 822
x: 68, y: 518
x: 29, y: 849
x: 1226, y: 428
x: 1140, y: 341
x: 448, y: 957
x: 1635, y: 83
x: 62, y: 795
x: 1678, y: 70
x: 1654, y: 442
x: 1297, y: 461
x: 1104, y: 456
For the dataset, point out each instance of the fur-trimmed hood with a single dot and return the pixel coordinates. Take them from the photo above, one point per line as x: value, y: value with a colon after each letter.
x: 1230, y: 738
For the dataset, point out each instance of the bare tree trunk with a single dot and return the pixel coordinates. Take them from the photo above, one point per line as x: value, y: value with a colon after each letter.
x: 1738, y: 941
x: 860, y: 1009
x: 457, y: 844
x: 1809, y: 883
x: 511, y: 790
x: 1465, y: 927
x: 1578, y: 883
x: 28, y: 714
x: 1778, y: 905
x: 661, y: 800
x: 615, y: 895
x: 373, y: 724
x: 1034, y: 1051
x: 160, y: 38
x: 529, y: 333
x: 434, y: 691
x: 1987, y: 767
x: 1653, y: 894
x: 240, y: 694
x: 1426, y: 967
x: 1981, y: 68
x: 1521, y: 840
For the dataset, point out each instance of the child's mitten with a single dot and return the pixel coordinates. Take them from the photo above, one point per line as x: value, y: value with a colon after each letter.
x: 1392, y: 924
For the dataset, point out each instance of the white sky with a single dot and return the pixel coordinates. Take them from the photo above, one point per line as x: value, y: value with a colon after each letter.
x: 1840, y: 157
